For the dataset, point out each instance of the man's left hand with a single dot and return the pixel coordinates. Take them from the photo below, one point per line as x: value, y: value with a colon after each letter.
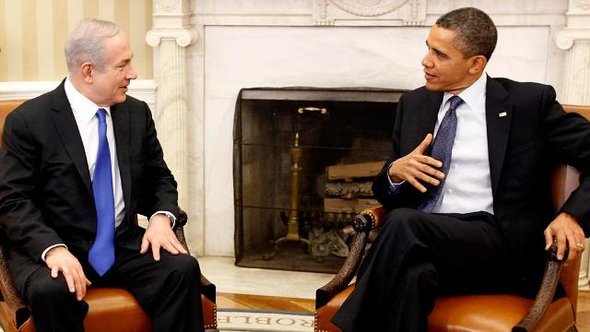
x: 566, y: 232
x: 158, y: 235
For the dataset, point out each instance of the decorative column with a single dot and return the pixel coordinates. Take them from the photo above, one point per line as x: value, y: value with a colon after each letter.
x: 170, y: 35
x: 575, y: 39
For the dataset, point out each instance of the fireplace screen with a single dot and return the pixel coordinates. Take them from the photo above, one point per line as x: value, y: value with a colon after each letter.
x: 304, y: 159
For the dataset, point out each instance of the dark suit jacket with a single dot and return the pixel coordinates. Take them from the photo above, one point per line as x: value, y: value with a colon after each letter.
x: 45, y: 189
x: 524, y: 146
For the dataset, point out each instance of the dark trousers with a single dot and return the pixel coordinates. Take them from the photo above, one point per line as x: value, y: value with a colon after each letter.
x: 168, y: 291
x: 418, y: 256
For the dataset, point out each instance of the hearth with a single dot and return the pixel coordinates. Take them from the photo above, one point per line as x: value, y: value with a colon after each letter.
x: 304, y: 159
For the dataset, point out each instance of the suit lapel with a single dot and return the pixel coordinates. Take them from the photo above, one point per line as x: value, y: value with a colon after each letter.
x: 65, y: 124
x: 428, y: 116
x: 121, y: 124
x: 498, y: 120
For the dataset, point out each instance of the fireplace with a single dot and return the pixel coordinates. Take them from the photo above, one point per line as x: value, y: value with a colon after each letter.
x: 303, y: 163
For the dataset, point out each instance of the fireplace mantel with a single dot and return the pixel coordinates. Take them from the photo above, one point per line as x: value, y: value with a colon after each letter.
x: 331, y: 43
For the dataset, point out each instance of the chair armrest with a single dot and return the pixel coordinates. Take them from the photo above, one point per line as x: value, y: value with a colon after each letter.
x: 10, y: 296
x: 378, y: 216
x: 182, y: 218
x: 363, y: 223
x: 179, y: 228
x: 545, y: 294
x: 207, y: 288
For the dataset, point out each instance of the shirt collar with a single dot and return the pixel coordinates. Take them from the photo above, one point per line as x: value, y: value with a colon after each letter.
x: 84, y: 109
x: 473, y: 94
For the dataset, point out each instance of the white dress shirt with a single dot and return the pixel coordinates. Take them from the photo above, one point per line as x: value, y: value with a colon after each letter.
x: 85, y: 114
x: 468, y: 186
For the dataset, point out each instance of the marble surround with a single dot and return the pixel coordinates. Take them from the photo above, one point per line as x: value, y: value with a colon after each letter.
x: 329, y: 43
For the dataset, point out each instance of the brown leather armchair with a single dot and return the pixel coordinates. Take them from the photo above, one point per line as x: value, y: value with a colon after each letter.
x: 110, y: 309
x: 490, y: 313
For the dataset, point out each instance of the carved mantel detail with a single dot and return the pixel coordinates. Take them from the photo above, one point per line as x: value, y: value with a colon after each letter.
x: 166, y: 6
x: 575, y: 39
x: 582, y: 4
x: 368, y: 8
x: 171, y: 20
x: 399, y: 12
x: 578, y: 25
x: 183, y: 36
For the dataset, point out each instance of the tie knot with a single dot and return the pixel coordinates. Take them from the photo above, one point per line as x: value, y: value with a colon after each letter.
x: 454, y: 102
x: 101, y: 114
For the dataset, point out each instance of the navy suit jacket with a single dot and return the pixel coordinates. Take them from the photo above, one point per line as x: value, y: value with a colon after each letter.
x: 45, y: 188
x: 524, y: 145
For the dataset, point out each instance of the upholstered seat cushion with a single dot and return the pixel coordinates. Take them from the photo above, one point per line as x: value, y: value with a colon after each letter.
x: 494, y: 313
x: 106, y: 303
x: 324, y: 314
x: 115, y: 310
x: 490, y: 313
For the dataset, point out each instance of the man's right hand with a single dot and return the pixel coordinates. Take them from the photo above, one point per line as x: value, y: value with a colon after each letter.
x: 417, y: 168
x: 60, y: 259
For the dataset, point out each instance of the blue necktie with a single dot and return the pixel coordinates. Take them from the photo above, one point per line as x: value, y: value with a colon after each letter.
x: 442, y: 149
x: 102, y: 252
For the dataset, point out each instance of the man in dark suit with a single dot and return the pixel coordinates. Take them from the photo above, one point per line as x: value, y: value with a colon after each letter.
x: 63, y: 231
x: 471, y: 210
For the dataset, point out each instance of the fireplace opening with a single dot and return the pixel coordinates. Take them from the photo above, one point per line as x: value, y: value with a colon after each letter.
x: 304, y: 159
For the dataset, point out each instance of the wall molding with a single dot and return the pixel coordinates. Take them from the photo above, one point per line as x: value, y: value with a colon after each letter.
x: 141, y: 89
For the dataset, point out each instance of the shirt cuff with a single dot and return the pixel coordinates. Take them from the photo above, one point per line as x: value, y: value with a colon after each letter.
x: 168, y: 214
x: 44, y: 253
x: 394, y: 187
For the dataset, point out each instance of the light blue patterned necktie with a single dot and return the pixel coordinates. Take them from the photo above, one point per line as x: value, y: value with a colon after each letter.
x: 102, y: 252
x: 442, y: 149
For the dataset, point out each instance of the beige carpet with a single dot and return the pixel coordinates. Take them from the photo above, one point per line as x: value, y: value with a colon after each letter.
x: 253, y: 321
x: 232, y: 320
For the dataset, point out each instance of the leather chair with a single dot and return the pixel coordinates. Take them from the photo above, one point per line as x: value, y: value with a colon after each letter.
x: 490, y: 313
x: 110, y: 309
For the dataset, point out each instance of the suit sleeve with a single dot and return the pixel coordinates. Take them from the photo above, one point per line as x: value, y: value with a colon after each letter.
x: 569, y: 138
x: 20, y: 219
x: 159, y: 191
x: 399, y: 195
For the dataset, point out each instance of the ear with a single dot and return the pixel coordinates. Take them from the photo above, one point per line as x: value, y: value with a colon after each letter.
x: 477, y: 64
x: 87, y: 71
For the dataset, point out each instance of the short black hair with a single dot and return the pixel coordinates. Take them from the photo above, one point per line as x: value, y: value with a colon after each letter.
x: 476, y: 32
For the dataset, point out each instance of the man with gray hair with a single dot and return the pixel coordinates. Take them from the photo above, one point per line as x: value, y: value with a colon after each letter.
x: 468, y: 185
x: 76, y: 166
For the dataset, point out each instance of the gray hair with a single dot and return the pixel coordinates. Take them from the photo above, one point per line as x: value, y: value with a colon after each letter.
x: 84, y: 43
x: 476, y: 32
